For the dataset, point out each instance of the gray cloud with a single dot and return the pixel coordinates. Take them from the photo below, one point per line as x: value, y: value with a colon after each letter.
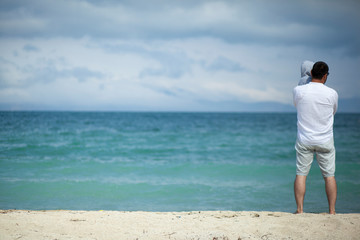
x: 157, y: 53
x: 225, y: 64
x: 81, y: 73
x: 172, y: 66
x: 173, y: 63
x: 31, y: 75
x: 172, y: 92
x: 30, y: 48
x: 51, y: 73
x: 321, y: 24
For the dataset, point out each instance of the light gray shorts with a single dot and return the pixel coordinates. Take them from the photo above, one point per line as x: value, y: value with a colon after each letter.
x: 325, y: 156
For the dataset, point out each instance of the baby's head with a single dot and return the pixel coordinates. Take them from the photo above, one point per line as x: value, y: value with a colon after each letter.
x: 306, y: 67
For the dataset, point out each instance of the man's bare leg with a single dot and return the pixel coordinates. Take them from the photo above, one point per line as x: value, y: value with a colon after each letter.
x: 331, y: 192
x: 299, y: 190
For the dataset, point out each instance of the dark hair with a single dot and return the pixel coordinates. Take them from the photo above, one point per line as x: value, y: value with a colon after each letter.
x: 319, y: 70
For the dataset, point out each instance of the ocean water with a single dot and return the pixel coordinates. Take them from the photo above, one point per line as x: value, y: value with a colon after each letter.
x: 166, y: 162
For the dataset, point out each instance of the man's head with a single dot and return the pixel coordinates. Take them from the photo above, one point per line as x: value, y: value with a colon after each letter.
x: 320, y: 71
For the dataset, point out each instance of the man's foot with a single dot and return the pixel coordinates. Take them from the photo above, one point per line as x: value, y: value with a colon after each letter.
x: 298, y: 212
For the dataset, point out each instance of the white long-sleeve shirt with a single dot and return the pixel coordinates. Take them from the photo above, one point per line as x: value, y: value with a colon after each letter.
x: 316, y: 106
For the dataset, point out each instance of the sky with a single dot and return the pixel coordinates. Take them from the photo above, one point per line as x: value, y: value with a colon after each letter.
x: 157, y: 55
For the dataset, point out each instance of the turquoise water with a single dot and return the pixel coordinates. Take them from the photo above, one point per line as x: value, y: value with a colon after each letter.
x: 166, y: 162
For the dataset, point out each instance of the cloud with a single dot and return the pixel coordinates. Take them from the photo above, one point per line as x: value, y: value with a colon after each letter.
x: 113, y: 73
x: 30, y: 48
x: 223, y: 63
x: 32, y: 74
x: 274, y: 23
x: 172, y: 55
x: 171, y: 65
x: 80, y: 73
x: 170, y: 62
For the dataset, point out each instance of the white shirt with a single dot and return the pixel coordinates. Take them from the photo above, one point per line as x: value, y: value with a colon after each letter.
x: 316, y: 106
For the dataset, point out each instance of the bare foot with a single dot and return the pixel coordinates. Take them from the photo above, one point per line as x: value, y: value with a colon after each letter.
x: 298, y: 212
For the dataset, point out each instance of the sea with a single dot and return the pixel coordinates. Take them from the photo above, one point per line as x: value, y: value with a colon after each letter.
x: 166, y: 161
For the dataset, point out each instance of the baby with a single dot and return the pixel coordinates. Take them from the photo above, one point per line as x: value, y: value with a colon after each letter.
x: 306, y: 68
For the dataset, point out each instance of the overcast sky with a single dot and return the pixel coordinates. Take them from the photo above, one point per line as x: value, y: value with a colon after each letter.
x: 173, y: 55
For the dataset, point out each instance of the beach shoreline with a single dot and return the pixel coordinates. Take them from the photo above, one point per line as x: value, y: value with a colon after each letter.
x: 66, y: 224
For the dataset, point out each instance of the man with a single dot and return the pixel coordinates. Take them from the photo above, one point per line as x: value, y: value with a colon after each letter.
x: 316, y: 105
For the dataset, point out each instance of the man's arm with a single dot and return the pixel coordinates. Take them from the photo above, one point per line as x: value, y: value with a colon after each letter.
x: 336, y: 97
x: 294, y: 97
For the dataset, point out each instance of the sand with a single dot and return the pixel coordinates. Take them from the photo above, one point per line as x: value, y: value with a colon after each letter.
x: 219, y: 225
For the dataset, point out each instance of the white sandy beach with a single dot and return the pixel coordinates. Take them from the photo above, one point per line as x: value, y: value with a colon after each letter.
x: 62, y: 224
